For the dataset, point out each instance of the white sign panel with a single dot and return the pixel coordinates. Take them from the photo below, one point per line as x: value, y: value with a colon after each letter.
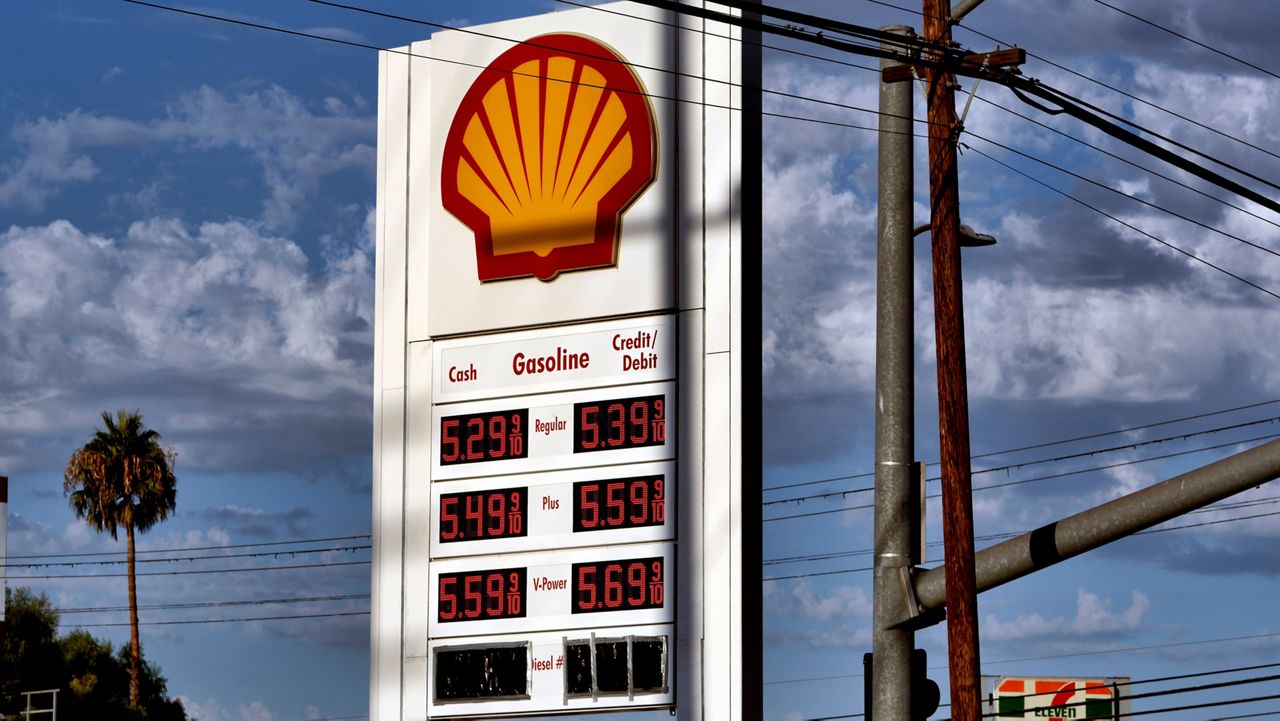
x: 625, y: 424
x: 590, y: 506
x: 551, y: 672
x: 600, y: 354
x: 582, y: 588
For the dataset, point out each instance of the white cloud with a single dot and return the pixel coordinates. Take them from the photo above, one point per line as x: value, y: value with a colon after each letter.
x: 212, y: 710
x: 219, y: 332
x: 294, y: 147
x: 1093, y: 618
x: 802, y: 601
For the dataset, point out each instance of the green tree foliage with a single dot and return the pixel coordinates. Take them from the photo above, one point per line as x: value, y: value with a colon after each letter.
x: 123, y: 477
x: 91, y: 677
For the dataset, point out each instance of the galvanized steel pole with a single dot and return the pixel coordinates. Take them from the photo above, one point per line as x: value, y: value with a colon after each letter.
x: 1111, y: 521
x: 953, y: 392
x: 895, y: 517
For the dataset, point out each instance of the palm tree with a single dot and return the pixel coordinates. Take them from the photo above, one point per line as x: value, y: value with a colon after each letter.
x: 123, y: 477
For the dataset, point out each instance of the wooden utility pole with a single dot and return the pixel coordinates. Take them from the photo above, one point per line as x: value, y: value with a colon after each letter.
x: 953, y: 391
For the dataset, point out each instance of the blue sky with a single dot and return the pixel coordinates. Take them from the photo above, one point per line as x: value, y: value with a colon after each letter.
x: 185, y: 229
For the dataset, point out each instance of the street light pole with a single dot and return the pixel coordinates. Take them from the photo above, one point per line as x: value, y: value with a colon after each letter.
x: 895, y: 518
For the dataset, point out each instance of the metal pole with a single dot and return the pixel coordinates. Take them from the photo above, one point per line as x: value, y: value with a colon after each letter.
x: 962, y: 8
x: 1111, y: 521
x: 895, y: 517
x: 953, y: 393
x: 4, y: 525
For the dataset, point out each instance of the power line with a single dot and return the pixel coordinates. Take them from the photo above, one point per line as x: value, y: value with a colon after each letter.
x: 1128, y: 225
x: 1058, y: 97
x: 1143, y: 168
x: 1188, y: 38
x: 117, y: 562
x: 196, y: 548
x: 225, y: 620
x: 1192, y: 707
x: 1083, y: 76
x: 1123, y: 194
x: 832, y: 555
x: 1022, y: 481
x: 1156, y: 694
x: 200, y: 571
x: 215, y: 604
x: 1140, y: 682
x: 1006, y: 536
x: 1067, y: 103
x: 1047, y: 444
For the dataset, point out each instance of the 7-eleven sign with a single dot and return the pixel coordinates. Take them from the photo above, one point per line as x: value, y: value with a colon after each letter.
x: 1055, y: 699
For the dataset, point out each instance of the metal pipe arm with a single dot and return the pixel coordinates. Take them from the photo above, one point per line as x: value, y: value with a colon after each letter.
x: 1098, y: 526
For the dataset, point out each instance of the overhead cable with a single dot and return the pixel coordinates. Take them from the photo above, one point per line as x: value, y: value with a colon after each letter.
x: 1063, y: 441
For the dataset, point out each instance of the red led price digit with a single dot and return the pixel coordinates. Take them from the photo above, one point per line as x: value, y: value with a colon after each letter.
x: 515, y: 516
x: 449, y: 447
x: 655, y: 584
x: 497, y: 514
x: 635, y: 583
x: 612, y: 585
x: 639, y: 501
x: 448, y: 518
x: 617, y: 424
x: 448, y: 598
x: 587, y: 588
x: 493, y: 595
x: 471, y: 607
x: 659, y: 502
x: 615, y: 499
x: 475, y: 438
x: 659, y: 421
x: 474, y: 516
x: 514, y: 591
x: 639, y: 422
x: 589, y: 423
x: 498, y: 436
x: 590, y: 505
x: 516, y: 439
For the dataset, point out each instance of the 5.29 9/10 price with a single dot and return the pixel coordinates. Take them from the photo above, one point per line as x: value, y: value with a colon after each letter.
x: 492, y: 436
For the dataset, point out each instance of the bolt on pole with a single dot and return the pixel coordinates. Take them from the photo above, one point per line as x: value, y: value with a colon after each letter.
x: 896, y: 518
x: 953, y: 394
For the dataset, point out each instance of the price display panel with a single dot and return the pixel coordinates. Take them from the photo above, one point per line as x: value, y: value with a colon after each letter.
x: 567, y: 589
x: 564, y: 509
x: 578, y: 429
x: 554, y: 671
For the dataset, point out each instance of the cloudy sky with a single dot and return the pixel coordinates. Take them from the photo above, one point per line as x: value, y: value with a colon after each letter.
x: 186, y: 229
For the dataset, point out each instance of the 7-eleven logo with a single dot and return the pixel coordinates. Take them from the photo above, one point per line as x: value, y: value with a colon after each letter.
x: 1054, y: 699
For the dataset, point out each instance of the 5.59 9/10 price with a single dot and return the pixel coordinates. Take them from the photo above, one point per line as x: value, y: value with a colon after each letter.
x: 477, y: 595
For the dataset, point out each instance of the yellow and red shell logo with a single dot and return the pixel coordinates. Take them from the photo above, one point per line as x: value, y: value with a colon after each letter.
x: 548, y: 148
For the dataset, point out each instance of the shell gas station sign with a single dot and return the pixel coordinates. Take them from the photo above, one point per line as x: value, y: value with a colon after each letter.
x: 1056, y: 699
x: 559, y: 436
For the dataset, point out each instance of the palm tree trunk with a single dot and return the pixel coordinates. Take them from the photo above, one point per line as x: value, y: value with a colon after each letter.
x: 134, y: 650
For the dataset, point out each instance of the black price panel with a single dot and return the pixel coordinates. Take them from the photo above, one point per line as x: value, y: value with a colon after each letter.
x: 481, y: 595
x: 619, y: 503
x: 488, y: 436
x: 479, y: 515
x: 629, y: 584
x: 482, y: 673
x: 620, y: 423
x: 627, y: 666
